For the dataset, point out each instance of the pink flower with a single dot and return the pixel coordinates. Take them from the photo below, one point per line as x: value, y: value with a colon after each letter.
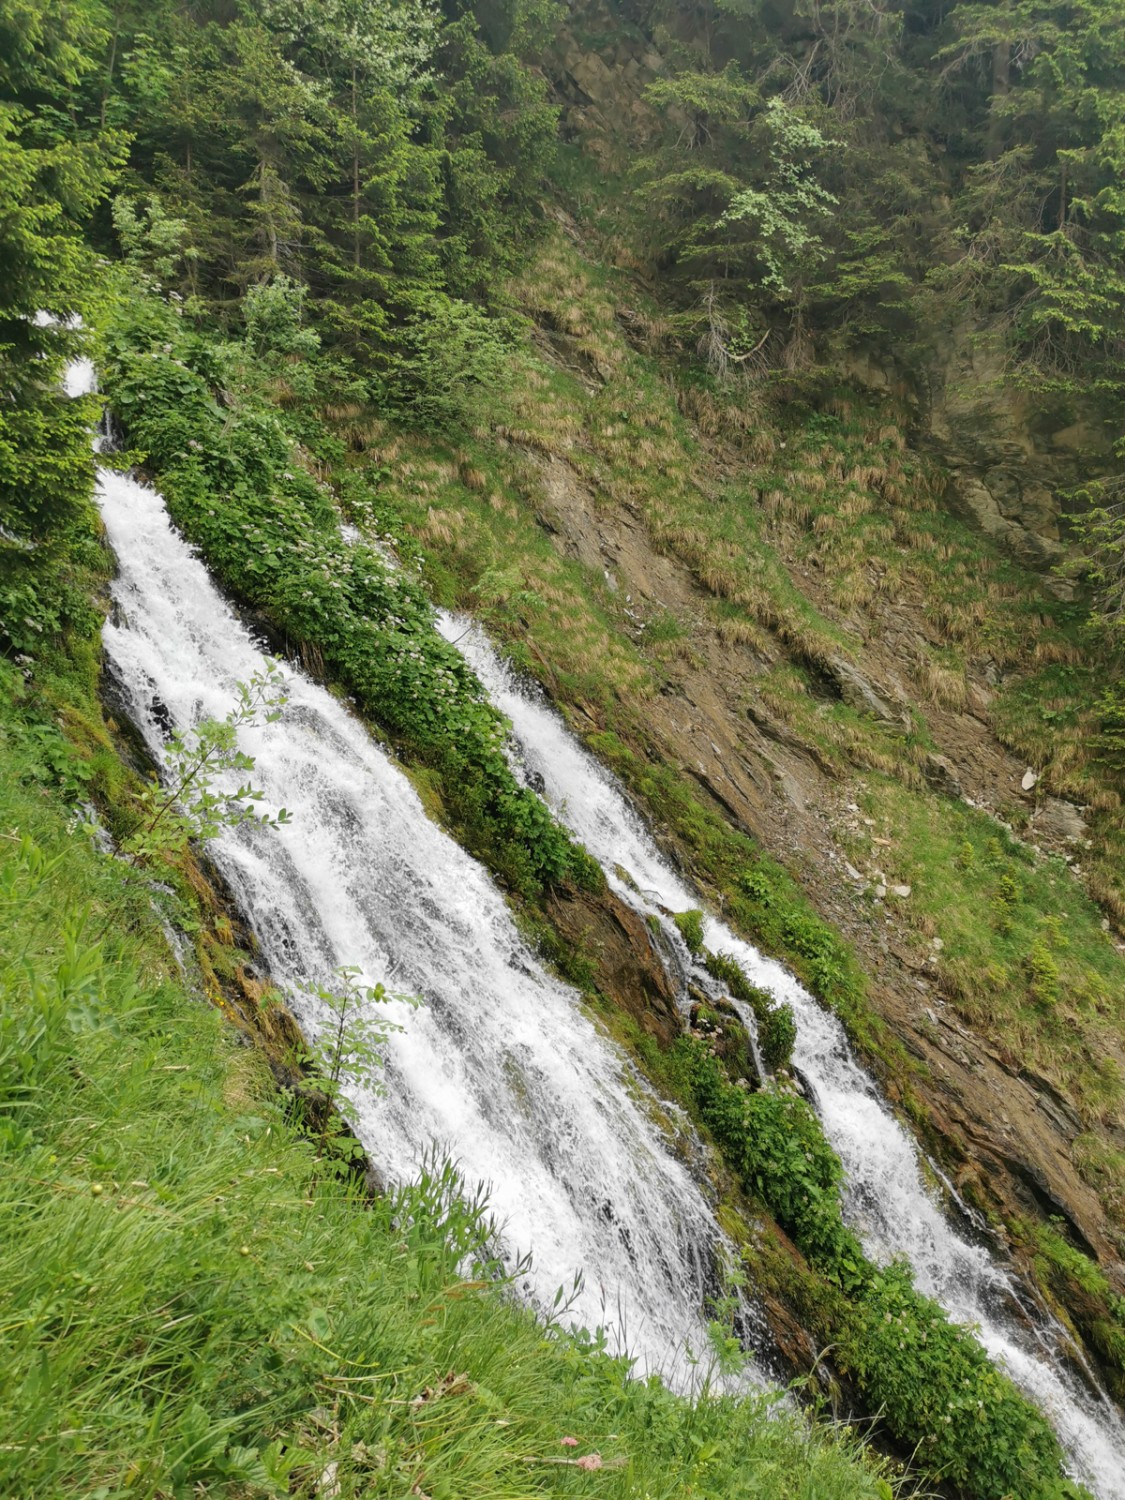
x: 569, y: 1442
x: 590, y: 1462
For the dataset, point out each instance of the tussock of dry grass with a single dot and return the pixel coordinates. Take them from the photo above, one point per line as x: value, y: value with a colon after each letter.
x: 946, y: 686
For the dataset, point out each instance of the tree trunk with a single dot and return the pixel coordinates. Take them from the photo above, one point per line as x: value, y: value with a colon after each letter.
x: 1001, y: 84
x: 355, y: 172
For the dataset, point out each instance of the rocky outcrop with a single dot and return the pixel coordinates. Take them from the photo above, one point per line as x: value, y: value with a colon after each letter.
x: 599, y: 71
x: 613, y: 940
x: 1009, y: 468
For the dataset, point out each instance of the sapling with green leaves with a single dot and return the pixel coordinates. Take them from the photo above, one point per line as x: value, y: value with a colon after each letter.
x: 188, y: 804
x: 347, y: 1052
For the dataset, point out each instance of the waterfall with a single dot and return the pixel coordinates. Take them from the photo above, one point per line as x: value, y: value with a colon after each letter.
x: 500, y: 1067
x: 885, y: 1200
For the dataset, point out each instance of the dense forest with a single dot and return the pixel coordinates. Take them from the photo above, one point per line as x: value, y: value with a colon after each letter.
x: 754, y: 374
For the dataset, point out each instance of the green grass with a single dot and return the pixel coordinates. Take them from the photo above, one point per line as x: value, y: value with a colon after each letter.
x: 188, y: 1306
x: 1024, y: 958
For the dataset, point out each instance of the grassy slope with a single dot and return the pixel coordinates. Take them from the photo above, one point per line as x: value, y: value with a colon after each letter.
x: 184, y: 1308
x: 877, y: 530
x: 1024, y: 958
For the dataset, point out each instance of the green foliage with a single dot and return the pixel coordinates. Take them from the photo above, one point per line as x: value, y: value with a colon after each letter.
x: 52, y: 177
x: 237, y: 485
x: 189, y: 806
x: 782, y: 212
x: 778, y: 1035
x: 690, y: 925
x: 777, y: 1029
x: 775, y: 1143
x: 935, y: 1388
x: 1042, y: 974
x: 449, y: 355
x: 346, y: 1052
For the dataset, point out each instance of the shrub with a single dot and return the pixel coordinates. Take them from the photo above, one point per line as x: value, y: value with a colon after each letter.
x: 690, y: 924
x: 1042, y: 974
x: 936, y: 1389
x: 777, y: 1035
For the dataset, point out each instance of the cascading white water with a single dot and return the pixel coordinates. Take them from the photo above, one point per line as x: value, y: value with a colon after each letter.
x: 500, y: 1067
x: 886, y: 1200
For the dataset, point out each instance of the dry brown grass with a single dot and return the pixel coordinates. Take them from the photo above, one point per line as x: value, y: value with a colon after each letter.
x: 719, y: 579
x: 856, y: 504
x: 443, y: 525
x: 472, y: 478
x: 1109, y: 896
x: 1106, y: 800
x: 946, y: 686
x: 827, y: 522
x: 851, y: 591
x: 735, y: 631
x: 1052, y: 651
x: 811, y: 481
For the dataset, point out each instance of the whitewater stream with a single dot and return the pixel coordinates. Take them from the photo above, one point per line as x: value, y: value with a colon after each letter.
x: 500, y: 1067
x: 886, y: 1200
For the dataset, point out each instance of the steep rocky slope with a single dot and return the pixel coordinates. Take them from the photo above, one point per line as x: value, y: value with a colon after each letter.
x: 831, y: 666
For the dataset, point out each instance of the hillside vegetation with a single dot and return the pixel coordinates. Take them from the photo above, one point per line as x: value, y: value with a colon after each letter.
x: 754, y: 373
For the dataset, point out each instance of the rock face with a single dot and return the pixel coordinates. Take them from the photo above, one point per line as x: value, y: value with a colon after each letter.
x: 617, y: 944
x: 1059, y: 820
x: 857, y: 692
x: 1008, y: 471
x: 940, y: 774
x: 602, y: 84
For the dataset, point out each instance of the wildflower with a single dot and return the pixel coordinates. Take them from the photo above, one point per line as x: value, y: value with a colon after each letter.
x: 569, y: 1442
x: 590, y: 1462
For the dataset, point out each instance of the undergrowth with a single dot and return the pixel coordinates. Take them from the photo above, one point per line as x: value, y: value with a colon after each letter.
x: 934, y: 1387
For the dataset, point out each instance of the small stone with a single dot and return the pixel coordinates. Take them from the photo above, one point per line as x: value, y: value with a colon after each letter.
x: 855, y: 875
x: 901, y: 891
x: 880, y: 892
x: 1029, y: 779
x: 937, y: 944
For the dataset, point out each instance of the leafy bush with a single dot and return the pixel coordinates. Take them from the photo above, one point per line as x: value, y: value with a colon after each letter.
x: 778, y: 1034
x: 935, y: 1387
x: 1042, y: 974
x: 777, y: 1029
x: 690, y: 924
x: 235, y: 484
